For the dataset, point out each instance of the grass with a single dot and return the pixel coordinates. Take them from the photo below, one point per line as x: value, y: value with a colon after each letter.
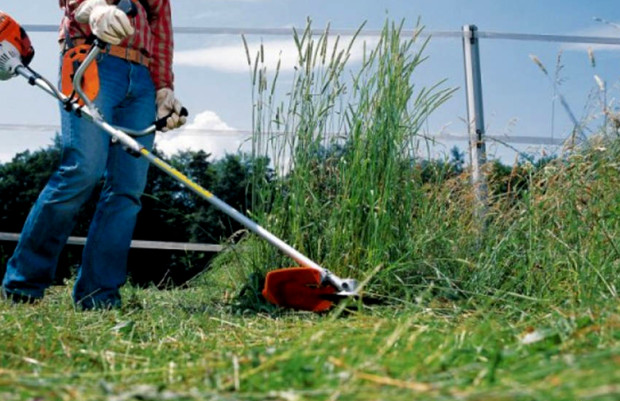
x: 189, y: 345
x: 521, y: 306
x: 345, y: 142
x: 360, y: 202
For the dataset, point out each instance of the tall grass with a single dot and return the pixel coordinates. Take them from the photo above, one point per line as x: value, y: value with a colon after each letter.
x: 559, y: 241
x: 352, y: 195
x: 346, y: 199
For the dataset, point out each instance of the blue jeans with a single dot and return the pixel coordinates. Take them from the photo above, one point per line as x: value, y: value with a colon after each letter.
x: 127, y: 99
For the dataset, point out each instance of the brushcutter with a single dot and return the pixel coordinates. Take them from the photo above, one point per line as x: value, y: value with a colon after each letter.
x: 309, y: 287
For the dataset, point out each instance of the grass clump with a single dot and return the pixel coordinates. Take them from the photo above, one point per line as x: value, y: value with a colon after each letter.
x: 365, y: 204
x: 346, y: 200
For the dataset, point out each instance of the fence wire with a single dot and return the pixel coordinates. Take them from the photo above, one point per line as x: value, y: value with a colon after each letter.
x: 532, y: 140
x: 598, y: 40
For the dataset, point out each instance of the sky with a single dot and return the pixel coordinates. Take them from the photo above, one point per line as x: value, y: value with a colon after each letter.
x: 212, y: 77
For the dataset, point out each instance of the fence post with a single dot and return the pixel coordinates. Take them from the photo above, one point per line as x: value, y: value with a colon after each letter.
x: 475, y: 116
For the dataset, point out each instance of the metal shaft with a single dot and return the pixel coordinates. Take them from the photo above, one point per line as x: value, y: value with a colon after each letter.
x: 230, y: 211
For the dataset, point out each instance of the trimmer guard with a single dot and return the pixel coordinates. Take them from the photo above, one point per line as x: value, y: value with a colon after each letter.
x: 298, y: 288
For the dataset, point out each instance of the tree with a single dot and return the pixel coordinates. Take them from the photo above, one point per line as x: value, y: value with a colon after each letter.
x: 170, y: 212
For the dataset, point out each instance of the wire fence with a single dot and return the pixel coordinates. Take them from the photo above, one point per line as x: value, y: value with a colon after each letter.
x: 578, y: 39
x: 137, y: 244
x: 238, y: 31
x: 239, y: 133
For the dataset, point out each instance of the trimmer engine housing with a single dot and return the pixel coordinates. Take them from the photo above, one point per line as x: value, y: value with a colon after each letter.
x: 15, y: 46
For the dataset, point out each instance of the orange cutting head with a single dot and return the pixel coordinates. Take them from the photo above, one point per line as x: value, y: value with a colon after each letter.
x: 298, y: 288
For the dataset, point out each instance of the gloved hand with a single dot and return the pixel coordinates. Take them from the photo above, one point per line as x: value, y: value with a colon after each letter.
x: 168, y: 105
x: 107, y: 22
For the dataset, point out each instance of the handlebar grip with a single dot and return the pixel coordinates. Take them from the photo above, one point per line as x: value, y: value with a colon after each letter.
x: 128, y: 7
x: 161, y: 123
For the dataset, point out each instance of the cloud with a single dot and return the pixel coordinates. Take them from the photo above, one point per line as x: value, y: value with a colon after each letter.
x: 206, y: 132
x: 233, y: 58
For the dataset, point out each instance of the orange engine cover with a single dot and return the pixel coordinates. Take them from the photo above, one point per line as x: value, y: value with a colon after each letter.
x: 13, y: 33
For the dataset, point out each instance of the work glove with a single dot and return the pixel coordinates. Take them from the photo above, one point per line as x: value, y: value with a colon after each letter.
x: 170, y: 107
x: 107, y: 22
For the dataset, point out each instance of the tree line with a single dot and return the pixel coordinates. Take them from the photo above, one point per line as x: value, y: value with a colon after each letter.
x: 169, y: 212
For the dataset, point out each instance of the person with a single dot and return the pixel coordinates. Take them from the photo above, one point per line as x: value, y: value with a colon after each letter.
x: 135, y: 87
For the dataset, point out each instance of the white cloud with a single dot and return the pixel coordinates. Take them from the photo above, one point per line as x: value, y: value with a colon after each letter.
x: 206, y: 132
x: 233, y: 58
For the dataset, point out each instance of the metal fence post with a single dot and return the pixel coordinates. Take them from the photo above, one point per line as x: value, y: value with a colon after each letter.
x: 475, y: 116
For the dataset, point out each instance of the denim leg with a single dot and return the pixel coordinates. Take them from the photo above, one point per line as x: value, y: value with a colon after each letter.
x: 126, y: 98
x: 32, y: 267
x: 104, y: 261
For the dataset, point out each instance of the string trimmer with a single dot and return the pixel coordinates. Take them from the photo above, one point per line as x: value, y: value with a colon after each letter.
x: 309, y: 287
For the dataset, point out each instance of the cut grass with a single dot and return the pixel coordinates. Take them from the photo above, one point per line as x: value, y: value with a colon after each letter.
x: 189, y: 345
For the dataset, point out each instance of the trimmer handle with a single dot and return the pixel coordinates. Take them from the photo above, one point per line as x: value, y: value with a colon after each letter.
x: 161, y: 123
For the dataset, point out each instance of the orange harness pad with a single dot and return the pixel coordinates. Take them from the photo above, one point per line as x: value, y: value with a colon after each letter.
x: 71, y: 61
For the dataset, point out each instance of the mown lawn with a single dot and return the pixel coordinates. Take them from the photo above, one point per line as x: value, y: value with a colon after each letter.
x: 192, y: 345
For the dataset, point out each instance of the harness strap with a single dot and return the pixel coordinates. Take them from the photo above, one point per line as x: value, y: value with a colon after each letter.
x: 132, y: 55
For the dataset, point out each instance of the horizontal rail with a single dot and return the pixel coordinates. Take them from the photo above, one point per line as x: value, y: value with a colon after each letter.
x: 188, y: 30
x: 522, y: 139
x: 594, y: 40
x: 138, y: 244
x: 599, y: 40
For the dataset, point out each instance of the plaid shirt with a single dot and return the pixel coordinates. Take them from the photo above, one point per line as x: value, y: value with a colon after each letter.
x: 153, y: 35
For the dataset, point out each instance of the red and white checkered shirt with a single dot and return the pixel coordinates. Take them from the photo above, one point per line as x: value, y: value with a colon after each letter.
x: 153, y: 35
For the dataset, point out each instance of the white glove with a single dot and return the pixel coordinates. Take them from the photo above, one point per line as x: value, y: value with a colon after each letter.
x: 168, y: 105
x: 107, y: 22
